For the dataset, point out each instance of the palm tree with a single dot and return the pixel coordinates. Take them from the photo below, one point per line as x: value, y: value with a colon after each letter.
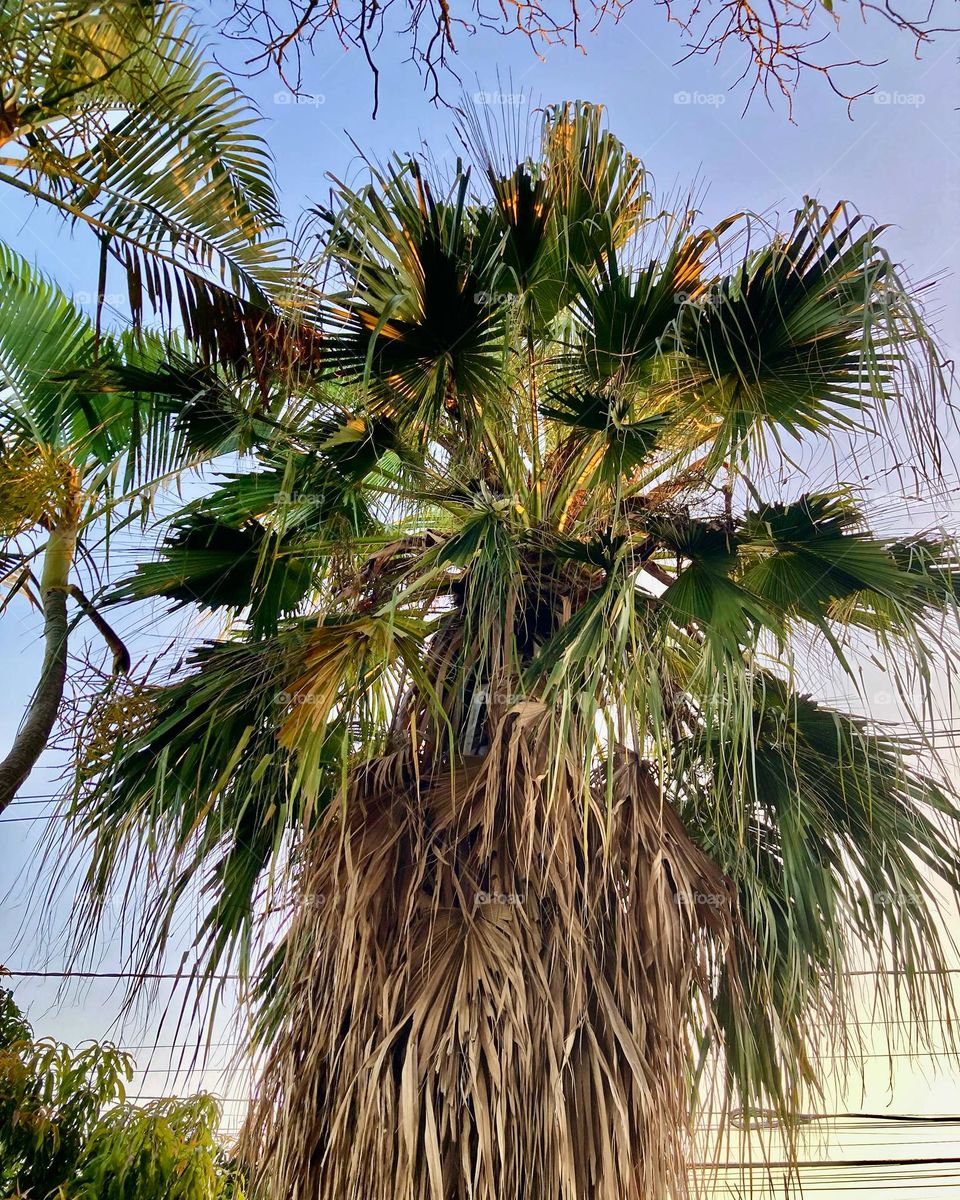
x: 110, y: 114
x: 503, y: 791
x: 90, y: 423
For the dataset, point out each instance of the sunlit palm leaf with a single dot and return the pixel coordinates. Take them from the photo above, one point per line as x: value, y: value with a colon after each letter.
x: 115, y: 118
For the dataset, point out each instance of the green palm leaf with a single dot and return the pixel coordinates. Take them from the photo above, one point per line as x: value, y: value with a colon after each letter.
x: 115, y: 119
x: 804, y: 336
x: 834, y: 853
x: 416, y: 326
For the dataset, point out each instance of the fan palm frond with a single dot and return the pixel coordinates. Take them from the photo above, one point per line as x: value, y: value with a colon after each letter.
x: 807, y: 335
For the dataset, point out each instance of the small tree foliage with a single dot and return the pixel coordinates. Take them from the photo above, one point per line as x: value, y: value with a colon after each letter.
x: 68, y: 1132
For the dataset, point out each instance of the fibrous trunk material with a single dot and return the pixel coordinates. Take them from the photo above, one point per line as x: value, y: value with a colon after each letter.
x: 486, y: 990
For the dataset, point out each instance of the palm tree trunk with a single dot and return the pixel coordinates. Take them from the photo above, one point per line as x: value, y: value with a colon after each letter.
x: 34, y: 732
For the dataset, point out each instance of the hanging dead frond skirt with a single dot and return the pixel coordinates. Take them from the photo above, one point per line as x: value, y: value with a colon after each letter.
x: 487, y: 988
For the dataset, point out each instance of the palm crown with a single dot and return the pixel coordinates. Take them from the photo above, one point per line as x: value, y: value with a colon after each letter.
x: 511, y: 696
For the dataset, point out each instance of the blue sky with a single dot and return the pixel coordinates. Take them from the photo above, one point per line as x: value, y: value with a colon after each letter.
x: 897, y: 159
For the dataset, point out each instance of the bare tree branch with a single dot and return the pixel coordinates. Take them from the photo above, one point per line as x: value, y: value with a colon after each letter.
x: 780, y: 40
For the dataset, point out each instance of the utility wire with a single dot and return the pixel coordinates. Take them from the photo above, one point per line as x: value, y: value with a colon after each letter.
x: 814, y: 1164
x: 177, y: 975
x: 869, y: 973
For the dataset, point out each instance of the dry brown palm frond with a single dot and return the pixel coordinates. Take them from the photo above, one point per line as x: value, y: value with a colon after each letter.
x: 486, y: 991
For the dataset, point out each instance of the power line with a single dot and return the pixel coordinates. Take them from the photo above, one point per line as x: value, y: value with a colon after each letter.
x: 177, y: 975
x: 814, y: 1164
x: 885, y: 1118
x: 869, y: 973
x: 176, y: 1045
x: 38, y: 817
